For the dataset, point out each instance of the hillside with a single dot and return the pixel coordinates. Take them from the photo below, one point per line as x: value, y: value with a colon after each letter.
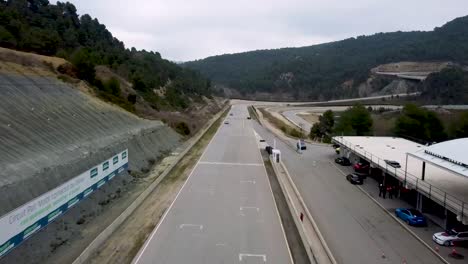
x: 332, y: 70
x: 139, y: 81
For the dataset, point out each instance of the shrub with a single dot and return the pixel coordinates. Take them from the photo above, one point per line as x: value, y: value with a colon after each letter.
x: 182, y: 128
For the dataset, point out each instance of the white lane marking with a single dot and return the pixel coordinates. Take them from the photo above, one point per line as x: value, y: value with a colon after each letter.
x: 180, y: 191
x: 242, y: 255
x: 191, y: 225
x: 220, y: 244
x: 276, y: 206
x: 249, y: 207
x: 230, y: 163
x: 252, y: 182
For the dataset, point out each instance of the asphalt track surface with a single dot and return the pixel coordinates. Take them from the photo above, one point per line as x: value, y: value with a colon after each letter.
x: 225, y: 212
x: 354, y: 227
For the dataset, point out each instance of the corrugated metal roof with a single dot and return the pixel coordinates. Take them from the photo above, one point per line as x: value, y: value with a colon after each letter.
x: 451, y: 155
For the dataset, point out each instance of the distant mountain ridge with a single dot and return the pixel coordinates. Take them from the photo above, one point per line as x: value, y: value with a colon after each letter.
x: 332, y: 70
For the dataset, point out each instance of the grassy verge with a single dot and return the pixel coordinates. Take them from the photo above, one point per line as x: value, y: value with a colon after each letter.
x: 288, y: 130
x: 190, y: 159
x: 252, y: 112
x: 179, y: 174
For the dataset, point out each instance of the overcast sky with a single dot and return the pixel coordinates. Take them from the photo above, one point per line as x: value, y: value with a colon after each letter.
x: 183, y: 30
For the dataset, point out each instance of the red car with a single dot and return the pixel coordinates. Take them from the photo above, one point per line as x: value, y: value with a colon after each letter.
x: 361, y: 167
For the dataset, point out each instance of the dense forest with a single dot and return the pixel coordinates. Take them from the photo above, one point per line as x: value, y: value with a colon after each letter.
x: 40, y: 27
x: 317, y: 72
x: 449, y: 86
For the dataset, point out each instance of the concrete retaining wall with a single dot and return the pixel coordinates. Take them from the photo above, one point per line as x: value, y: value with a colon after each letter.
x: 50, y: 132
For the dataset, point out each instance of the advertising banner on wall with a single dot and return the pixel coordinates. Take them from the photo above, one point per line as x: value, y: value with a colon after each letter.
x: 21, y: 223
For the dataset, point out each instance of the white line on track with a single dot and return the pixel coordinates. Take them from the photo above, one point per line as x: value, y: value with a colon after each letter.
x: 242, y: 255
x: 230, y: 163
x: 191, y: 225
x: 252, y: 182
x: 147, y: 242
x: 274, y: 201
x: 249, y: 207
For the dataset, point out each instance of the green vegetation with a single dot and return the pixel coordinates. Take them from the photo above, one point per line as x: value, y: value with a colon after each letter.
x: 40, y: 27
x: 318, y: 72
x: 288, y: 130
x: 252, y: 112
x: 419, y: 124
x: 459, y: 127
x: 355, y: 121
x: 182, y: 128
x: 324, y: 128
x: 450, y: 86
x: 412, y: 122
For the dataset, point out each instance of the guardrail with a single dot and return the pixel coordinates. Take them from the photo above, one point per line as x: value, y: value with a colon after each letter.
x: 409, y: 180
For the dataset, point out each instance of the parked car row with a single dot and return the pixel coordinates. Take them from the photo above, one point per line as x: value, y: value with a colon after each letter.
x: 413, y: 217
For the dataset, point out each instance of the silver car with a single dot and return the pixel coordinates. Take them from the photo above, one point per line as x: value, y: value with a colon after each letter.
x: 448, y: 237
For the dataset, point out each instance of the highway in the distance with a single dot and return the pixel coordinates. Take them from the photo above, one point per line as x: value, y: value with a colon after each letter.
x: 225, y: 212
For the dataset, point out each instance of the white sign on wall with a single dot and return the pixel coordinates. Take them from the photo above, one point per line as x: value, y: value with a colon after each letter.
x: 25, y: 220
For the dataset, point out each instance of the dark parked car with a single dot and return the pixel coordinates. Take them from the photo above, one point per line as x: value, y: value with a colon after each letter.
x: 343, y: 161
x: 248, y: 117
x: 411, y: 216
x: 354, y: 178
x: 394, y: 164
x: 361, y: 167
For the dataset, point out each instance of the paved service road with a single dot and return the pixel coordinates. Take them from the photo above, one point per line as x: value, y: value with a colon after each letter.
x: 354, y: 227
x: 225, y: 212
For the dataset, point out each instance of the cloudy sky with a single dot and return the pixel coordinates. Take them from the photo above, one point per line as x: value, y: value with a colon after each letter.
x: 183, y: 30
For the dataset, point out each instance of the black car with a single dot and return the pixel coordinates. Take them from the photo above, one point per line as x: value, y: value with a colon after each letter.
x: 343, y: 161
x: 394, y: 164
x: 354, y: 178
x: 249, y: 117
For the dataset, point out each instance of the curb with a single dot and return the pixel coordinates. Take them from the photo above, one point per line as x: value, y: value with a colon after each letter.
x: 109, y: 230
x: 396, y: 219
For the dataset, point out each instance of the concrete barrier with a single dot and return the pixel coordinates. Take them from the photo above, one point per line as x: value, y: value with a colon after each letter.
x: 104, y: 235
x: 314, y: 243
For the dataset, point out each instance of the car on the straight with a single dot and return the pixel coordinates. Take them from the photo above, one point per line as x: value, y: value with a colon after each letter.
x: 343, y: 161
x: 411, y: 216
x: 354, y: 178
x: 451, y: 237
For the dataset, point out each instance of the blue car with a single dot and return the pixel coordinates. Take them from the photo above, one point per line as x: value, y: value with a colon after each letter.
x: 411, y: 216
